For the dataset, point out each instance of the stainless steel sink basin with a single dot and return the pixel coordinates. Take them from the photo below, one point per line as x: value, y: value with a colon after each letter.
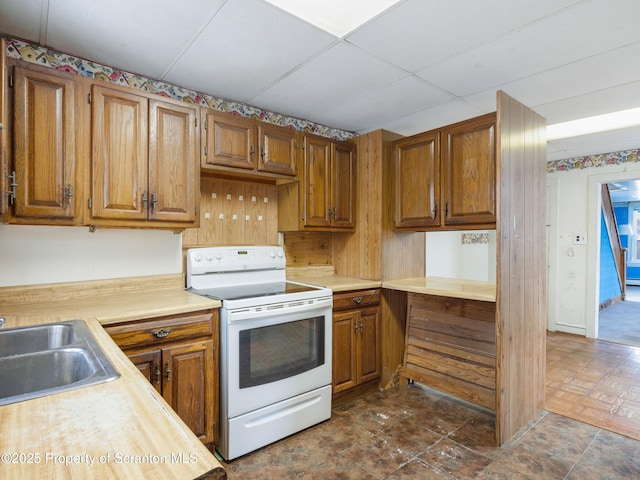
x: 47, y: 359
x: 35, y: 339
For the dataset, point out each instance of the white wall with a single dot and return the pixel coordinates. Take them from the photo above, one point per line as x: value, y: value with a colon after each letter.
x: 573, y: 198
x: 34, y: 255
x: 447, y: 256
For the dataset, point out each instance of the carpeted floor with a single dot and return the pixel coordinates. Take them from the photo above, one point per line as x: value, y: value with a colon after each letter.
x: 620, y: 322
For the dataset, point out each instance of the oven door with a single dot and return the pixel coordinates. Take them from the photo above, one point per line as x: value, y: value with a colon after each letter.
x: 274, y: 353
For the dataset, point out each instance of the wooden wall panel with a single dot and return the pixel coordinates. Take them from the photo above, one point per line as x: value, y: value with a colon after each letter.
x: 235, y: 212
x: 521, y: 277
x: 304, y: 249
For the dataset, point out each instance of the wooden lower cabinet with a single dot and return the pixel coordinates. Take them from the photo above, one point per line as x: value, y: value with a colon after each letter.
x: 178, y: 356
x: 356, y: 339
x: 451, y: 346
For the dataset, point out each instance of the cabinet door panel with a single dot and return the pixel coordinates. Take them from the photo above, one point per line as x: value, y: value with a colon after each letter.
x: 344, y: 348
x: 230, y: 141
x: 344, y: 184
x: 44, y: 144
x: 317, y: 173
x: 150, y: 365
x: 188, y: 385
x: 469, y: 172
x: 120, y: 154
x: 370, y: 344
x: 417, y: 182
x: 278, y: 150
x: 173, y: 167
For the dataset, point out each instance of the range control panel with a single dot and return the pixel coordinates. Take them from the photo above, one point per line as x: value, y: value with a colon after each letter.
x: 234, y: 259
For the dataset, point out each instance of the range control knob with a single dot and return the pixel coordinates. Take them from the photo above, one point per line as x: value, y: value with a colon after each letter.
x: 208, y: 257
x: 218, y: 256
x: 272, y: 254
x: 197, y: 257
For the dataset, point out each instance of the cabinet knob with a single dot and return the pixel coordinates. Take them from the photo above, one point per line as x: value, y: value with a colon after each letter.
x: 357, y: 300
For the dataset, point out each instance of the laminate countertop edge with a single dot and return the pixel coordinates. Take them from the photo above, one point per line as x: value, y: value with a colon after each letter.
x: 445, y: 287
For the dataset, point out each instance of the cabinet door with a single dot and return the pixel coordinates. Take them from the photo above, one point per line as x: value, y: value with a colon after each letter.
x: 370, y: 344
x: 417, y: 181
x: 344, y: 184
x: 119, y: 154
x: 44, y: 143
x: 344, y: 351
x: 188, y: 385
x: 278, y: 150
x: 174, y: 170
x: 150, y: 365
x: 317, y: 186
x: 230, y: 141
x: 469, y: 172
x: 3, y: 129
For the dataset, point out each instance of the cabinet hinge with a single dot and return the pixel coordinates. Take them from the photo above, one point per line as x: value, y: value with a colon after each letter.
x: 11, y: 81
x: 90, y: 203
x: 196, y: 122
x: 89, y: 97
x: 205, y: 124
x: 206, y: 150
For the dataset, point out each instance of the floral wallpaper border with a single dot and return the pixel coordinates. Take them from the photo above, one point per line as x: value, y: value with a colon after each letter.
x: 577, y: 163
x: 42, y: 55
x: 474, y: 238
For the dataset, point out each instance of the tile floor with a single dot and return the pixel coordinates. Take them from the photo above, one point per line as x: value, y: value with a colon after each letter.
x: 594, y: 381
x: 416, y: 433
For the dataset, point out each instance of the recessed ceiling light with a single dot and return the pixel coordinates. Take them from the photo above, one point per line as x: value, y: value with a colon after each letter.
x: 598, y: 123
x: 337, y: 17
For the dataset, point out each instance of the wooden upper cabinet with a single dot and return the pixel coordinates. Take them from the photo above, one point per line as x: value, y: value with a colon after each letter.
x: 44, y: 147
x: 144, y: 159
x: 317, y: 182
x: 417, y: 180
x: 324, y: 198
x: 469, y: 172
x: 230, y: 141
x: 343, y: 168
x: 120, y: 156
x: 278, y: 150
x: 174, y: 176
x: 446, y: 178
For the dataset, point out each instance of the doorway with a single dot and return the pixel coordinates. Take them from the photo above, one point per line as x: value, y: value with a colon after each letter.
x: 620, y: 321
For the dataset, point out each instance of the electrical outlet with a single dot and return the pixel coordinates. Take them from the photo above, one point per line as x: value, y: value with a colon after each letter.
x: 579, y: 238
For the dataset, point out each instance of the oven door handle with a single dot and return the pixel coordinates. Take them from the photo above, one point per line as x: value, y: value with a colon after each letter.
x: 257, y: 313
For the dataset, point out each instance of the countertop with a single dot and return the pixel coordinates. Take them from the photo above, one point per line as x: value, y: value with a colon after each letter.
x: 120, y: 429
x: 445, y: 287
x: 325, y: 277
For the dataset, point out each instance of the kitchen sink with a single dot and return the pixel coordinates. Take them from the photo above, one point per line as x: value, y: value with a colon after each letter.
x: 35, y: 339
x: 48, y: 359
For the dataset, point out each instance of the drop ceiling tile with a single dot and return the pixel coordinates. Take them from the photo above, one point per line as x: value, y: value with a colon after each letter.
x: 446, y: 114
x: 368, y: 111
x: 247, y: 47
x: 142, y: 36
x: 332, y: 78
x: 595, y: 144
x: 560, y: 39
x: 619, y: 97
x: 574, y: 79
x: 22, y: 19
x: 416, y: 34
